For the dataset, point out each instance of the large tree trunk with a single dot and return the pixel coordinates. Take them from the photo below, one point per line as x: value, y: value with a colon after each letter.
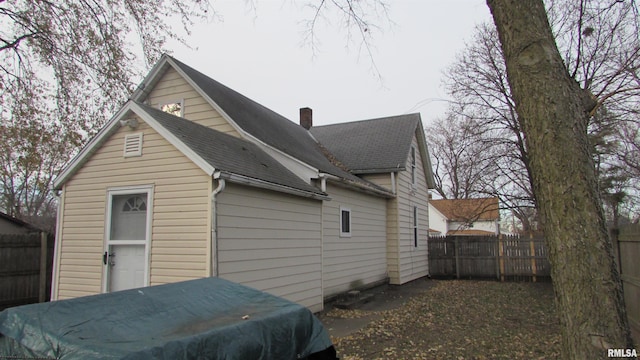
x: 553, y: 111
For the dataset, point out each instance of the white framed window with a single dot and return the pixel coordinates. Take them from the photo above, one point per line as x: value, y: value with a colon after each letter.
x: 133, y: 145
x: 415, y: 226
x: 173, y: 107
x: 345, y: 222
x: 413, y: 165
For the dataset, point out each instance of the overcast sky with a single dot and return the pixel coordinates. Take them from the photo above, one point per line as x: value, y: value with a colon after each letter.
x: 261, y: 53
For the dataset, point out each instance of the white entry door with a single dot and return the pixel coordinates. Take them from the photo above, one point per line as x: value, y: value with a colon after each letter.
x: 127, y: 264
x: 126, y: 254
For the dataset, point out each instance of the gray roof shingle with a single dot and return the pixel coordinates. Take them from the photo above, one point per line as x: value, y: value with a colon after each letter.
x: 271, y: 127
x: 368, y: 146
x: 227, y: 153
x: 261, y: 122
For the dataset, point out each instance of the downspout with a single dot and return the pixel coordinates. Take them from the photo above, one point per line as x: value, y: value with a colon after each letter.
x: 323, y: 188
x: 55, y: 274
x: 323, y: 182
x: 393, y: 183
x: 214, y: 224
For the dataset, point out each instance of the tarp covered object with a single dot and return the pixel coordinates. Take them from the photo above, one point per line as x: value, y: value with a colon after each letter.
x: 201, y: 319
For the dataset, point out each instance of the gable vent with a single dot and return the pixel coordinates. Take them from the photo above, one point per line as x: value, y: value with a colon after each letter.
x: 133, y: 145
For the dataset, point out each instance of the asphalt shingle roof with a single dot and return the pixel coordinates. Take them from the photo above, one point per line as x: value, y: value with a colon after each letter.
x: 375, y: 145
x: 468, y: 209
x: 228, y: 153
x: 271, y: 127
x: 261, y: 122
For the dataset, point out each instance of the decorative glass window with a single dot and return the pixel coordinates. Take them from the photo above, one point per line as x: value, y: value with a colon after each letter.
x: 173, y: 108
x: 129, y: 216
x: 135, y: 203
x: 345, y: 222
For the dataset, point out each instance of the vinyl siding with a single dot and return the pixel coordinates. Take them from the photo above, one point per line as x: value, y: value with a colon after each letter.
x: 412, y: 262
x: 272, y: 242
x: 179, y: 244
x: 172, y: 87
x: 358, y: 260
x: 383, y: 180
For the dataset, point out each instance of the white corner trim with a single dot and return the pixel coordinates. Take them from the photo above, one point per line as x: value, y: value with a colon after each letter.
x: 111, y: 126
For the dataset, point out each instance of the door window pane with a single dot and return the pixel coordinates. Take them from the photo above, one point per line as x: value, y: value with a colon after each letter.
x: 129, y: 217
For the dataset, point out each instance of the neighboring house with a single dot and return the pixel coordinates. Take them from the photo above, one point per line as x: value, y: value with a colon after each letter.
x: 11, y: 225
x: 464, y: 217
x: 191, y: 179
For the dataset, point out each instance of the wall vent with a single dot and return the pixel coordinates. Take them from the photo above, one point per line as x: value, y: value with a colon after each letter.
x: 133, y: 145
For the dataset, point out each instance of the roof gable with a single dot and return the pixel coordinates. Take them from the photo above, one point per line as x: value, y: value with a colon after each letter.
x: 211, y: 150
x: 468, y: 210
x: 256, y: 122
x: 227, y: 153
x: 366, y: 146
x: 376, y: 145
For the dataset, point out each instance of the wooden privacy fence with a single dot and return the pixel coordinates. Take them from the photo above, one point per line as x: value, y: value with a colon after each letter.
x: 26, y: 262
x: 500, y: 257
x: 628, y: 256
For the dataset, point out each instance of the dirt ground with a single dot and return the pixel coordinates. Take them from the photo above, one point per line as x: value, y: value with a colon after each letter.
x: 449, y: 319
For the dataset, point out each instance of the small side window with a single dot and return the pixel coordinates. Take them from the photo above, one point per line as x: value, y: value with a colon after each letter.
x: 345, y: 222
x: 173, y: 107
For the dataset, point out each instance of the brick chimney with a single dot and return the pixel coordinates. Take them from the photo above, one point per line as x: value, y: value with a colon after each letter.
x: 306, y: 117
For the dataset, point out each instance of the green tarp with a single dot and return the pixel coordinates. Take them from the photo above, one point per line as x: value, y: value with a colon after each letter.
x: 201, y: 319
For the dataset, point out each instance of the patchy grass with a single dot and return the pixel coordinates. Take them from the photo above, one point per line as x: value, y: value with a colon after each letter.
x: 462, y: 320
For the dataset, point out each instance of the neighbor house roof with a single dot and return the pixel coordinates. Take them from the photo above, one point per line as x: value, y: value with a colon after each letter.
x: 17, y: 222
x: 468, y: 209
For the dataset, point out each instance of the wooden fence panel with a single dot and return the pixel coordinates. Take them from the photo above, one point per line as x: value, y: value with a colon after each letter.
x: 503, y: 257
x: 442, y: 256
x: 477, y: 256
x: 23, y: 262
x: 629, y: 253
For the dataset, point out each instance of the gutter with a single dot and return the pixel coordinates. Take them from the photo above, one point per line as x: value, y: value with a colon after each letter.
x: 241, y: 179
x: 214, y: 270
x: 345, y: 182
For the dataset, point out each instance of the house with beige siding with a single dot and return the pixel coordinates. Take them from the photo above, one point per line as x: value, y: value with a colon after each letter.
x: 191, y: 179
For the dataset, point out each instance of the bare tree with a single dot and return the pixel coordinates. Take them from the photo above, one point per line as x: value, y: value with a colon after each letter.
x: 65, y: 66
x: 459, y: 157
x: 477, y: 82
x: 554, y: 112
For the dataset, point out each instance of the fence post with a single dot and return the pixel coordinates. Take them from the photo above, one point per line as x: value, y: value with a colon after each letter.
x: 43, y: 267
x: 501, y: 257
x: 456, y: 253
x: 497, y: 252
x: 532, y: 253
